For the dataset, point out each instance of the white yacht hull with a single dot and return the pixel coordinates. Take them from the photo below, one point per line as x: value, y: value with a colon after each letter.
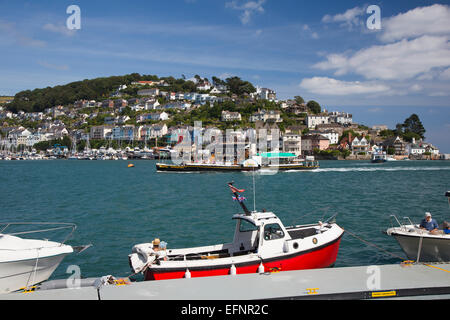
x: 26, y: 262
x: 15, y: 275
x: 433, y: 248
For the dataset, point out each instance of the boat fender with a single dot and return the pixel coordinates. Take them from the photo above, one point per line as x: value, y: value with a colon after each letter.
x: 187, y: 274
x: 232, y: 270
x: 261, y: 268
x: 286, y: 247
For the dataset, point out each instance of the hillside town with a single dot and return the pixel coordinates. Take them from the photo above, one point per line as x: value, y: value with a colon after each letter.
x: 149, y: 120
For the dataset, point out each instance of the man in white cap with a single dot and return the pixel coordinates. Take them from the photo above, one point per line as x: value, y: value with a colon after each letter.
x: 429, y: 224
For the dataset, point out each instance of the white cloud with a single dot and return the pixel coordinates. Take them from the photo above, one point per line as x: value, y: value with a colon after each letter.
x: 248, y: 8
x: 349, y: 18
x: 312, y: 33
x: 10, y: 31
x: 329, y: 86
x: 53, y: 66
x: 432, y: 20
x: 58, y: 29
x: 402, y: 60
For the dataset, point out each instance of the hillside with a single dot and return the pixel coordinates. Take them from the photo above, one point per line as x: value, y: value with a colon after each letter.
x: 101, y: 88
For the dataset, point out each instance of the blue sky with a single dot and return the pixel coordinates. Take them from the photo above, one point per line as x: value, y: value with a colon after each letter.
x: 321, y: 50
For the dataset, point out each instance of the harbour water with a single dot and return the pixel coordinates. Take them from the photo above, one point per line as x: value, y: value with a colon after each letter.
x: 116, y: 207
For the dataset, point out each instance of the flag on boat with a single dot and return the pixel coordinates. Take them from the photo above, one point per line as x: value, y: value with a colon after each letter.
x: 239, y: 198
x: 235, y: 190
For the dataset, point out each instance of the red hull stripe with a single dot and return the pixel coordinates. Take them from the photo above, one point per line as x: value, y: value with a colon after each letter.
x: 321, y: 257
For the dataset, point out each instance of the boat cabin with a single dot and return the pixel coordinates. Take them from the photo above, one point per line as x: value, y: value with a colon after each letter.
x: 252, y: 231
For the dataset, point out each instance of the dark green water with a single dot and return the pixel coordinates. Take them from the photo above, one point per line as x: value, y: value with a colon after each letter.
x: 116, y: 207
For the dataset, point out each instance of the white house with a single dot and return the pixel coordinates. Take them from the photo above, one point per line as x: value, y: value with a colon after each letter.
x: 153, y: 131
x: 415, y: 149
x: 313, y: 120
x: 204, y: 86
x: 151, y: 104
x: 360, y: 145
x: 264, y: 93
x: 231, y: 116
x: 343, y: 118
x: 266, y: 115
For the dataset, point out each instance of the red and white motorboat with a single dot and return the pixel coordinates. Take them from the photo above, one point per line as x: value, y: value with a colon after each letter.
x: 261, y: 244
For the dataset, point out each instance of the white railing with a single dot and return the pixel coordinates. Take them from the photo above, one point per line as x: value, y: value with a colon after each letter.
x: 58, y: 226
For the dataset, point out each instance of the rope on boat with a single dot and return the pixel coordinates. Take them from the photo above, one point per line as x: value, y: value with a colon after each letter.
x: 374, y: 245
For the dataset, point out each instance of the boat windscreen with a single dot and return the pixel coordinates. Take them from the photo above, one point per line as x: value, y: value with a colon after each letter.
x: 246, y: 225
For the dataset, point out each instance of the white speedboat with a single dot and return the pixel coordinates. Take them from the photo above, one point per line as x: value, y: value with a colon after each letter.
x: 419, y: 244
x: 27, y: 262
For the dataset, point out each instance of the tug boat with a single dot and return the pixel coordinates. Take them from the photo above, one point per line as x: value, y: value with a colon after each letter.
x: 261, y: 244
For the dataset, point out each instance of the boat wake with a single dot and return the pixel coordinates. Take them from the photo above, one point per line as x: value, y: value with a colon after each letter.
x: 370, y: 169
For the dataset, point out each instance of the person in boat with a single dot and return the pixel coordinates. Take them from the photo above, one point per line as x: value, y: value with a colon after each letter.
x: 159, y: 246
x: 156, y: 244
x: 429, y: 224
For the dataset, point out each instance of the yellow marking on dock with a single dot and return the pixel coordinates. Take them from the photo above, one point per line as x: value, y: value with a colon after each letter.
x: 384, y: 294
x: 428, y: 265
x: 312, y: 290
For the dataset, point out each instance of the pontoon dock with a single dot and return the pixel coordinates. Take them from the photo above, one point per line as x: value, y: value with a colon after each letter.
x: 397, y: 281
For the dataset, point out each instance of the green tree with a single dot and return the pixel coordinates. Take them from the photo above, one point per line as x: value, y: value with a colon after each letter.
x: 314, y: 107
x: 299, y: 100
x: 238, y: 86
x: 413, y: 126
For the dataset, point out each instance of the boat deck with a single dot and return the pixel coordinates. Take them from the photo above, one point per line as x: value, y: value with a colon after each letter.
x: 399, y: 281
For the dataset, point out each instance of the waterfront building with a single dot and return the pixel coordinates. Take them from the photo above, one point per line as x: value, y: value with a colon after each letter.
x: 397, y: 144
x: 311, y: 142
x: 292, y: 143
x: 333, y: 136
x: 360, y: 145
x: 100, y: 132
x: 153, y: 131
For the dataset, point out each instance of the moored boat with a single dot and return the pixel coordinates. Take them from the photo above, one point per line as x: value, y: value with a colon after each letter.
x: 261, y: 244
x: 26, y: 262
x: 379, y: 156
x: 419, y: 244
